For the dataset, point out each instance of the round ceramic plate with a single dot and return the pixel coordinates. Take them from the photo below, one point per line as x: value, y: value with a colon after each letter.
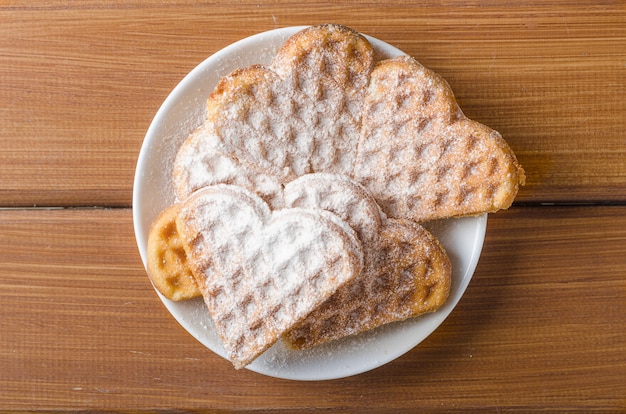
x: 179, y: 115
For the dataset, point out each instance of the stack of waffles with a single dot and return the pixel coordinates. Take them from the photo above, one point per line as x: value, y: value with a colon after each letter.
x: 300, y: 197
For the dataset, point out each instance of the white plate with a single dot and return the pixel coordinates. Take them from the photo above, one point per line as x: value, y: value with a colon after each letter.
x: 182, y: 112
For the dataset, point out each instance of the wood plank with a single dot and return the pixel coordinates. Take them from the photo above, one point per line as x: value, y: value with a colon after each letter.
x: 80, y: 83
x: 541, y: 326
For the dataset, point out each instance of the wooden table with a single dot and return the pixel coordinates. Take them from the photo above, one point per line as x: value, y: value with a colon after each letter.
x: 542, y: 325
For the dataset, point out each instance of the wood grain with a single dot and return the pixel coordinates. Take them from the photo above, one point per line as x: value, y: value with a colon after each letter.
x: 541, y: 327
x: 81, y: 81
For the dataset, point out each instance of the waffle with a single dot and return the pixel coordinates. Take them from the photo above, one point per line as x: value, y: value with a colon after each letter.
x: 406, y: 273
x: 339, y: 195
x: 167, y: 261
x: 296, y: 117
x: 324, y: 105
x: 199, y: 163
x: 421, y: 158
x: 262, y: 271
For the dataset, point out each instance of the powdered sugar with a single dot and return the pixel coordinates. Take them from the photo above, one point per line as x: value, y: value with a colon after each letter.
x: 340, y: 195
x: 200, y: 163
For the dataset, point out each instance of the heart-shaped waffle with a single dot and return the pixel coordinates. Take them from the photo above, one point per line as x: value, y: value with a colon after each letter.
x: 406, y: 271
x: 296, y: 117
x: 421, y: 157
x: 340, y: 195
x: 200, y: 164
x: 263, y: 271
x: 322, y: 106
